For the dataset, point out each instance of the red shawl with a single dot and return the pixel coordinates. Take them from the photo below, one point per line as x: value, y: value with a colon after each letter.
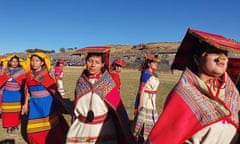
x: 190, y: 107
x: 116, y: 78
x: 19, y: 75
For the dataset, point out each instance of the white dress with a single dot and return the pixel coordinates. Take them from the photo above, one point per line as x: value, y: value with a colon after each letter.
x: 100, y: 131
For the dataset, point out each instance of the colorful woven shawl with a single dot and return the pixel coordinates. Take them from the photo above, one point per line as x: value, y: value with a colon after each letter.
x: 49, y: 82
x: 17, y: 74
x: 105, y: 87
x: 190, y: 107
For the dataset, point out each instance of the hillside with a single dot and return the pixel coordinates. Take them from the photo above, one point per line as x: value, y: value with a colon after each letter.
x: 132, y: 54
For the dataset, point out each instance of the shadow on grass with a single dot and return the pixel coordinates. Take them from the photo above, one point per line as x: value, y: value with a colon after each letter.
x: 7, y: 141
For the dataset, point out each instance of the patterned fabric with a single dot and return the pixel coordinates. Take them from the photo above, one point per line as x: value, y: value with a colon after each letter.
x: 116, y: 78
x: 18, y: 74
x: 45, y: 124
x: 12, y: 97
x: 143, y: 79
x: 144, y: 122
x: 102, y: 87
x: 39, y: 116
x: 205, y: 108
x: 145, y: 75
x: 190, y: 107
x: 110, y: 121
x: 147, y: 116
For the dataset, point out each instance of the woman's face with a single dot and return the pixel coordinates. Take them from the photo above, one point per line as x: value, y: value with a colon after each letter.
x: 118, y: 68
x: 94, y: 64
x: 153, y: 65
x: 13, y: 63
x: 213, y: 63
x: 36, y: 63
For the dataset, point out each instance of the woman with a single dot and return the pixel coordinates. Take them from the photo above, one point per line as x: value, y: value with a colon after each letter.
x: 115, y: 69
x: 45, y: 123
x: 13, y: 81
x: 145, y: 105
x: 204, y: 105
x: 59, y: 76
x: 99, y: 115
x: 1, y: 70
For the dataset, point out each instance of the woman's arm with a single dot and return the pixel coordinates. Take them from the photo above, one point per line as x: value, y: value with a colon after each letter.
x: 26, y: 99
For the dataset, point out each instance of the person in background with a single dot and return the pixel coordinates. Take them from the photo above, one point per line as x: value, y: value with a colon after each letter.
x: 115, y: 69
x: 59, y: 76
x: 13, y: 80
x: 234, y: 70
x: 45, y: 124
x: 99, y: 115
x: 1, y: 70
x: 145, y: 115
x: 204, y: 105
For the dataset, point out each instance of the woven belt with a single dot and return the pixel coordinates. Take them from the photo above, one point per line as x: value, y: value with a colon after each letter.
x: 96, y: 119
x: 149, y: 91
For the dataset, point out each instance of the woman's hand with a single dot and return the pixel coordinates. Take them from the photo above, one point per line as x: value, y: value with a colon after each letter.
x: 137, y: 110
x: 24, y: 109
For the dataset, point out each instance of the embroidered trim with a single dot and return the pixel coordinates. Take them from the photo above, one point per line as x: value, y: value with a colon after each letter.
x: 206, y: 107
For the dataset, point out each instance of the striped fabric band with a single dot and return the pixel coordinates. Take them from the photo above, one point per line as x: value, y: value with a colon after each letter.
x: 42, y: 124
x: 151, y: 92
x: 104, y: 138
x: 12, y: 86
x: 40, y: 93
x: 11, y: 107
x: 96, y: 120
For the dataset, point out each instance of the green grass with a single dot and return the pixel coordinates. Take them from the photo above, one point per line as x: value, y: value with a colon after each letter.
x: 129, y: 87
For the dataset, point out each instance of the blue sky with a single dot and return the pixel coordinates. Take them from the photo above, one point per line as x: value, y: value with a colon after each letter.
x: 55, y: 24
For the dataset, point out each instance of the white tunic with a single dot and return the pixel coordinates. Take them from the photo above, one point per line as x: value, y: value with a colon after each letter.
x: 221, y: 132
x: 90, y: 133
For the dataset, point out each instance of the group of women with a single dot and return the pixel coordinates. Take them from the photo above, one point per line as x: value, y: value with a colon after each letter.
x: 203, y: 107
x: 29, y: 89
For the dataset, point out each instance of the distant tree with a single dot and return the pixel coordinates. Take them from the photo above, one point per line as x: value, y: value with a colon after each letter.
x: 62, y: 50
x: 39, y: 50
x: 69, y: 49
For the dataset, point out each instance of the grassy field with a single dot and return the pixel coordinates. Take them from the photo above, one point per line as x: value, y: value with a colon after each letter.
x: 129, y: 86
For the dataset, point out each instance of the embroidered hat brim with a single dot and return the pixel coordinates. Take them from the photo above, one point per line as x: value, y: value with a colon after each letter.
x: 96, y: 49
x: 193, y: 38
x: 120, y: 62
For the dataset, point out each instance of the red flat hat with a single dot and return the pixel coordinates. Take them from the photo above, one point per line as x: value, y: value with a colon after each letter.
x: 120, y: 62
x: 194, y: 39
x: 96, y: 49
x: 61, y: 61
x: 156, y: 59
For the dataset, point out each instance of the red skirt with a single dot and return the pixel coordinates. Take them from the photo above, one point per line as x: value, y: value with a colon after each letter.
x: 11, y: 119
x: 55, y: 135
